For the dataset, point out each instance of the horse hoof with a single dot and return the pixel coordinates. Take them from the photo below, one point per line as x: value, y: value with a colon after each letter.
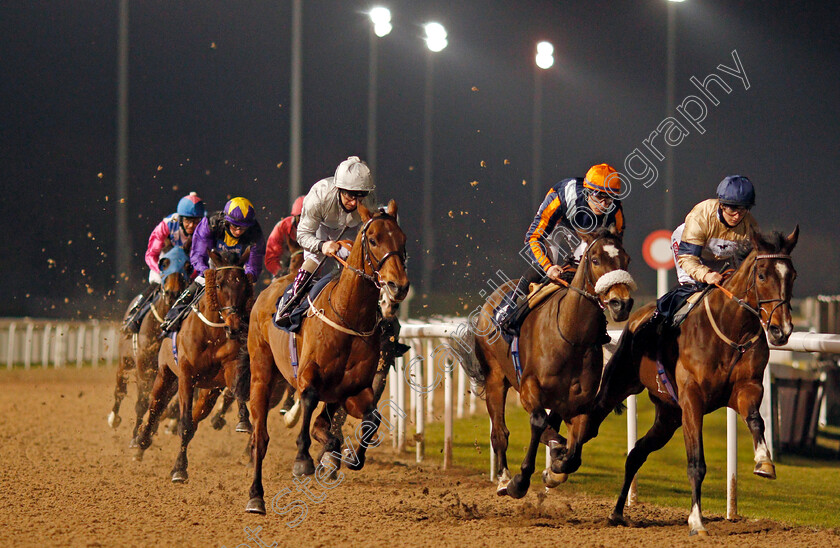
x: 114, y: 420
x: 138, y: 455
x: 244, y: 427
x: 171, y: 427
x: 552, y: 480
x: 293, y: 415
x: 502, y: 489
x: 617, y: 520
x: 255, y: 506
x: 303, y: 468
x: 331, y: 463
x: 133, y: 444
x: 765, y: 470
x: 179, y: 476
x: 518, y: 487
x: 218, y: 423
x: 698, y: 532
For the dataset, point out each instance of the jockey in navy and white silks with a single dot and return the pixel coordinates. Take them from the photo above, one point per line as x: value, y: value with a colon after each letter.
x: 330, y: 213
x: 234, y: 229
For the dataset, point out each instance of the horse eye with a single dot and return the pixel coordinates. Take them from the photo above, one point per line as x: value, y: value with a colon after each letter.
x: 371, y: 241
x: 761, y: 277
x: 594, y: 261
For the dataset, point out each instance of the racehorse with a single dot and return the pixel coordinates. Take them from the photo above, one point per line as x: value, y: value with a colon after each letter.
x: 339, y: 348
x: 139, y: 351
x: 208, y: 354
x: 715, y: 358
x: 560, y: 355
x: 285, y: 391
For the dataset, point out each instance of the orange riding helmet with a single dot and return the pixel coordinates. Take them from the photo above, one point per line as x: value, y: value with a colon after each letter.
x: 603, y: 178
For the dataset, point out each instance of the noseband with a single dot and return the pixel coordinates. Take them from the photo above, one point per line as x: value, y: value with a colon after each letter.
x: 368, y: 258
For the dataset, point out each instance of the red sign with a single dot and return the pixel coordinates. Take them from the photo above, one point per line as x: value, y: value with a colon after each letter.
x: 657, y: 250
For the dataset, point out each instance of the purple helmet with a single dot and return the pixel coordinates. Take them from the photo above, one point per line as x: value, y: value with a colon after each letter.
x: 240, y: 212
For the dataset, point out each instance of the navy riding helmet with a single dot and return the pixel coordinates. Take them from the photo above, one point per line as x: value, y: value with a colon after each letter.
x: 736, y: 190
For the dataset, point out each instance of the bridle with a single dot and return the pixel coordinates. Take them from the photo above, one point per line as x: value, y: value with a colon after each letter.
x: 757, y: 312
x: 586, y: 276
x: 368, y: 257
x: 743, y: 347
x: 232, y: 309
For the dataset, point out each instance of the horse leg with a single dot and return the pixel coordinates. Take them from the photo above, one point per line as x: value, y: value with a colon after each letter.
x: 327, y: 430
x: 303, y: 460
x: 665, y: 423
x: 187, y: 426
x: 144, y: 387
x: 692, y: 412
x: 262, y: 382
x: 120, y: 391
x: 173, y: 414
x: 160, y: 396
x: 747, y: 400
x: 366, y: 432
x: 218, y: 421
x: 518, y: 486
x: 496, y: 390
x: 205, y: 403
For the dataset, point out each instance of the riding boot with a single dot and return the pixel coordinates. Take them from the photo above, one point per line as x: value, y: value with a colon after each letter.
x: 173, y: 318
x: 299, y: 288
x: 138, y: 311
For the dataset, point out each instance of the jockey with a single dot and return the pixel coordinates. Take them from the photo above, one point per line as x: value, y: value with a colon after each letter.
x: 276, y: 250
x: 330, y: 213
x: 572, y: 206
x: 177, y: 228
x: 235, y: 228
x: 715, y: 231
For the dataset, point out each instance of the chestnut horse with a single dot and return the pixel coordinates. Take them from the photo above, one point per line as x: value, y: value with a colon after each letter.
x: 208, y: 354
x: 561, y: 358
x: 715, y: 358
x: 139, y: 351
x: 339, y: 348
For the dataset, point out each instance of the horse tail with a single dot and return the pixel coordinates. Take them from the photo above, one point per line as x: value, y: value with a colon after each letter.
x: 465, y: 348
x: 242, y: 380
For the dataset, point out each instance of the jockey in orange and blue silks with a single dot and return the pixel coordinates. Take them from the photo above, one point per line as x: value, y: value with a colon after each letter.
x: 235, y: 229
x: 572, y: 206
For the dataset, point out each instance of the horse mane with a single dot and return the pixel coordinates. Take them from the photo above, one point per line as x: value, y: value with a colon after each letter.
x: 210, y: 289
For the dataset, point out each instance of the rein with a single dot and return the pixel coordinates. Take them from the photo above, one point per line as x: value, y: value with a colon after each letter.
x: 368, y: 259
x: 742, y: 348
x: 202, y: 317
x: 583, y: 292
x: 319, y: 313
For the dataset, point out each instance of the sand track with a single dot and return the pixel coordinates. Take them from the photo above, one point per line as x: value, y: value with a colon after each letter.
x: 68, y: 479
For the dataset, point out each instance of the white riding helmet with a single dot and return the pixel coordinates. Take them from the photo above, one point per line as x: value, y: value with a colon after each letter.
x: 354, y: 174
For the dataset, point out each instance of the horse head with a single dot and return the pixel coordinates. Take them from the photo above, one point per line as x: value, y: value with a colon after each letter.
x: 175, y: 270
x: 605, y: 264
x: 382, y: 245
x: 228, y: 290
x: 771, y: 276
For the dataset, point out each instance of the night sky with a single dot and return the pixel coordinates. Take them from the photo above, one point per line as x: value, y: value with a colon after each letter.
x: 209, y: 111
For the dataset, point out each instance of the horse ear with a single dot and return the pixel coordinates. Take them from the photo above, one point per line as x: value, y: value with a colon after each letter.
x: 586, y: 236
x: 216, y: 258
x: 244, y: 258
x: 757, y: 240
x: 392, y: 209
x: 364, y: 212
x: 790, y: 241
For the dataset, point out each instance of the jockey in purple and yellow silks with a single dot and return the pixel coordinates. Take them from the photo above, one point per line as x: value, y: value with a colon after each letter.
x: 177, y: 229
x: 572, y: 206
x: 235, y: 229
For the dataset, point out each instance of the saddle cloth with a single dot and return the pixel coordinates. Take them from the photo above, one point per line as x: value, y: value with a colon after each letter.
x: 297, y: 315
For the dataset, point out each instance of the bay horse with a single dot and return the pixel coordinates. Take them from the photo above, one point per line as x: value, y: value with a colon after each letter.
x: 716, y: 358
x: 139, y: 351
x: 339, y: 347
x: 560, y: 356
x: 208, y: 354
x: 283, y: 392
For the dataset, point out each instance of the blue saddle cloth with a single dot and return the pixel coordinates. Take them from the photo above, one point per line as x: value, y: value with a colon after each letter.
x: 296, y: 317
